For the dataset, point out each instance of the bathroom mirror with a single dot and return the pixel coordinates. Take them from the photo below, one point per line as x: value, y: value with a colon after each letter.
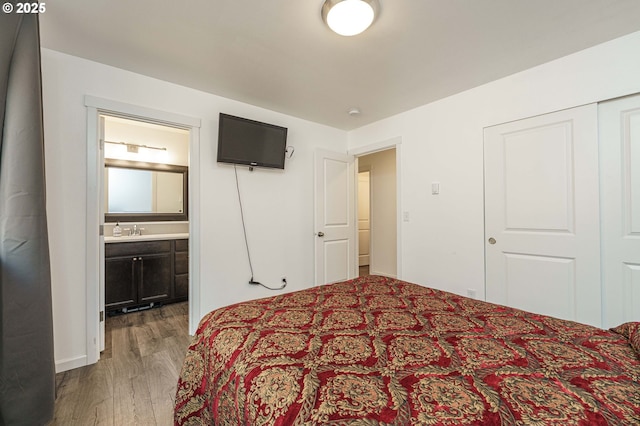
x: 137, y: 191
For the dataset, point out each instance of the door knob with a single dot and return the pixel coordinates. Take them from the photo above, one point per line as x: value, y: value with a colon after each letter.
x: 492, y: 240
x: 320, y: 234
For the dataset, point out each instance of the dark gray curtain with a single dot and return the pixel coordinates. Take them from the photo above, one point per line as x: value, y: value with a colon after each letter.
x: 27, y: 373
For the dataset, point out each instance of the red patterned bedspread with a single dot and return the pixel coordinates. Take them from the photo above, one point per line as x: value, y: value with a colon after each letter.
x: 375, y: 350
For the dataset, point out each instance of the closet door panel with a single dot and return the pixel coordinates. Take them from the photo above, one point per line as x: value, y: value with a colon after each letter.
x: 542, y: 229
x: 619, y: 124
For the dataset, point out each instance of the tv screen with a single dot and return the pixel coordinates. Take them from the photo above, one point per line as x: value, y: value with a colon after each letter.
x: 244, y: 141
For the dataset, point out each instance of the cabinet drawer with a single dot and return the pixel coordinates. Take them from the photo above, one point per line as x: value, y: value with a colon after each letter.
x: 182, y: 245
x: 182, y: 263
x: 133, y: 249
x: 182, y: 286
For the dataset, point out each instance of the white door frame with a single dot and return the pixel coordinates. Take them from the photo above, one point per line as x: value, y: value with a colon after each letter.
x: 393, y: 143
x: 95, y: 107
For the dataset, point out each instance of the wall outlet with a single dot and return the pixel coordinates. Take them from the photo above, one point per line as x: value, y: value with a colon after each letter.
x: 471, y: 293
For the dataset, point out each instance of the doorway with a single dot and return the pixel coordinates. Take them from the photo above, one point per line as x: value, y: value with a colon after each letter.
x: 377, y: 213
x: 145, y: 194
x: 95, y: 214
x: 336, y: 211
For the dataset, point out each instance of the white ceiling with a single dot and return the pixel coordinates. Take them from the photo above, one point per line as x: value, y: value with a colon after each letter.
x: 279, y: 55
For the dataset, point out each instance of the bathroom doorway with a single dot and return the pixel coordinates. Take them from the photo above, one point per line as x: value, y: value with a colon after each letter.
x: 98, y: 138
x: 144, y: 261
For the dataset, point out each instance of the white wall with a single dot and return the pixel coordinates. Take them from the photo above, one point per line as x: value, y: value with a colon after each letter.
x: 382, y: 167
x: 278, y: 204
x: 443, y: 243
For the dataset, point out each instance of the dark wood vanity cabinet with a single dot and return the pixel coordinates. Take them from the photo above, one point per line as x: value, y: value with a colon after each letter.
x: 120, y: 283
x: 181, y: 261
x: 144, y: 272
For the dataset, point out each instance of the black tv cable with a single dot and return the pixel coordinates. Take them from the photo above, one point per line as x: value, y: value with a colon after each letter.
x: 246, y: 241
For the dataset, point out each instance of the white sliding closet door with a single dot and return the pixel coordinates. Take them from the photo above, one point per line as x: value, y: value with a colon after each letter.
x: 542, y: 215
x: 620, y: 184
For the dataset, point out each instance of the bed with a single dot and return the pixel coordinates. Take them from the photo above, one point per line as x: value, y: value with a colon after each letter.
x: 380, y: 351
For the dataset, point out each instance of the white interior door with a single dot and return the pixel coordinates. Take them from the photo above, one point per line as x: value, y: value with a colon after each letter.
x: 619, y: 122
x: 335, y: 229
x: 542, y: 215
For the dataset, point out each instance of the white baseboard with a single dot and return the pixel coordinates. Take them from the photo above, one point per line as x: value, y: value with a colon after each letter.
x: 384, y: 274
x: 71, y: 363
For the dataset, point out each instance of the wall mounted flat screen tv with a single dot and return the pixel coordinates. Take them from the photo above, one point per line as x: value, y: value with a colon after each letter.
x: 249, y: 142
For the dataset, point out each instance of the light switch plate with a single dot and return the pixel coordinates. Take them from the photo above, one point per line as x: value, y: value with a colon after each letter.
x: 435, y: 188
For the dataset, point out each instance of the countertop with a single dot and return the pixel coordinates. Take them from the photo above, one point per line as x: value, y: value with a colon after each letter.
x: 149, y: 237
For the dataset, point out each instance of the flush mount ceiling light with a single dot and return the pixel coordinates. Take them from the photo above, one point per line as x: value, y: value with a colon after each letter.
x: 349, y: 17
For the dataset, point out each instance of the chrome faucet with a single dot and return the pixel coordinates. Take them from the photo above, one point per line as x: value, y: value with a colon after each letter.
x: 134, y: 231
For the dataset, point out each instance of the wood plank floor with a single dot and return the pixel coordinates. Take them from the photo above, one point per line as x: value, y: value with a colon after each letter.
x: 134, y: 383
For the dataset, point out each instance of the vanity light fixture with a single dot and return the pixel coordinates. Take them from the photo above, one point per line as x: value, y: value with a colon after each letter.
x: 349, y: 17
x: 133, y: 147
